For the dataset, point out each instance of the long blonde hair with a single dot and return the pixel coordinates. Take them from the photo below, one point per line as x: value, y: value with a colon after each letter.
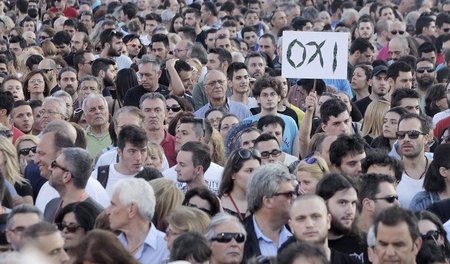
x: 11, y: 169
x: 314, y: 166
x: 373, y: 118
x: 168, y: 197
x: 217, y: 148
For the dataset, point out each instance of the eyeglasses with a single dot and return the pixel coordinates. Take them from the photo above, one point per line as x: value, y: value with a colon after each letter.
x: 246, y: 154
x: 432, y: 234
x: 412, y: 134
x: 275, y: 153
x: 227, y: 237
x: 54, y: 165
x: 446, y: 30
x: 71, y: 228
x: 36, y: 81
x: 26, y: 151
x: 213, y: 83
x: 134, y: 46
x: 49, y: 112
x: 289, y: 194
x: 179, y: 50
x: 88, y: 62
x: 313, y: 160
x: 390, y: 199
x: 46, y: 70
x: 428, y: 70
x: 394, y: 32
x: 174, y: 108
x: 17, y: 229
x: 195, y: 206
x: 6, y: 133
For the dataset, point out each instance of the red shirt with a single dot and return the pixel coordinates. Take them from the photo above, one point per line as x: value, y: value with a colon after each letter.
x: 168, y: 144
x: 69, y: 12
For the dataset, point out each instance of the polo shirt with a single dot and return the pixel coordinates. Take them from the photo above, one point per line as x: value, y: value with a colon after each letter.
x: 95, y: 144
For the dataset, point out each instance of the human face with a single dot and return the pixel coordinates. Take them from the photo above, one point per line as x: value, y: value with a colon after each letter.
x: 132, y: 158
x: 77, y: 42
x: 15, y: 87
x: 396, y: 50
x: 215, y: 86
x: 23, y: 118
x: 96, y: 112
x: 172, y: 103
x: 214, y: 118
x: 365, y: 30
x: 386, y: 189
x: 270, y: 146
x: 50, y: 111
x: 15, y: 48
x: 180, y: 51
x: 117, y: 213
x: 53, y: 246
x: 279, y: 19
x: 240, y: 82
x: 342, y: 207
x: 63, y: 49
x: 224, y: 43
x: 241, y: 177
x: 186, y: 79
x: 57, y: 178
x: 154, y: 111
x: 338, y: 125
x: 250, y: 38
x: 159, y: 50
x: 404, y: 80
x: 150, y: 25
x: 202, y: 204
x: 153, y: 161
x: 380, y: 85
x: 186, y: 171
x: 351, y: 164
x: 210, y: 39
x: 411, y: 148
x: 185, y: 132
x: 268, y: 99
x: 275, y: 130
x: 36, y: 84
x: 411, y: 105
x: 423, y: 77
x: 390, y: 125
x: 359, y: 80
x: 190, y: 20
x: 226, y: 124
x: 171, y: 234
x: 388, y: 14
x: 307, y: 182
x: 397, y: 28
x: 86, y: 65
x: 133, y: 47
x: 72, y: 239
x: 19, y: 222
x: 266, y: 45
x: 177, y: 24
x: 325, y: 18
x: 256, y: 67
x: 426, y: 226
x: 149, y: 76
x: 213, y: 62
x: 248, y: 139
x: 69, y: 82
x: 231, y: 252
x: 125, y: 119
x: 87, y: 21
x: 45, y: 154
x: 309, y: 221
x: 27, y: 144
x: 394, y: 244
x: 251, y: 19
x: 115, y: 47
x: 430, y: 30
x: 87, y: 88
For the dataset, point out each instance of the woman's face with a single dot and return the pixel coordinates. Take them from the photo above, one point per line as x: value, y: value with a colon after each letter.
x: 390, y: 125
x: 427, y: 227
x: 242, y: 177
x: 153, y: 161
x: 307, y: 182
x: 37, y: 119
x: 214, y: 118
x: 36, y: 84
x: 346, y: 100
x: 173, y: 108
x: 171, y: 234
x: 177, y: 24
x: 442, y: 104
x: 26, y: 146
x: 202, y: 204
x: 227, y: 124
x: 359, y: 79
x: 72, y: 239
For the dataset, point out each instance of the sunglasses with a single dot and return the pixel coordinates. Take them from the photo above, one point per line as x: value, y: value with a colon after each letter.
x: 429, y: 70
x: 26, y: 151
x: 246, y: 154
x: 174, y: 108
x: 135, y: 46
x: 446, y: 30
x: 227, y: 237
x: 432, y: 234
x: 394, y: 32
x: 412, y: 134
x: 275, y: 153
x: 54, y: 165
x: 6, y: 133
x: 390, y: 199
x: 313, y: 160
x: 71, y: 228
x: 208, y: 212
x: 289, y: 194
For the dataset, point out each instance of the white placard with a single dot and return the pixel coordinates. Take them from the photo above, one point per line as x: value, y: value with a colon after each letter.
x: 315, y: 55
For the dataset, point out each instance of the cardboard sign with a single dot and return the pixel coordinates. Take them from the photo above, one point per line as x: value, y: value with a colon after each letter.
x: 315, y: 55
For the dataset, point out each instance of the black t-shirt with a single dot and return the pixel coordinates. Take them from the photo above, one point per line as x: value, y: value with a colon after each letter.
x: 133, y: 95
x: 341, y: 258
x: 363, y: 104
x: 352, y: 245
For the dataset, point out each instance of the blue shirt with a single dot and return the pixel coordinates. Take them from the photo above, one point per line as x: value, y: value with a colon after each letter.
x: 290, y: 131
x: 266, y: 245
x: 154, y: 249
x: 235, y: 108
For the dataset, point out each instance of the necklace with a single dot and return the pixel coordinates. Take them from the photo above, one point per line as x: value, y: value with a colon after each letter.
x: 424, y: 171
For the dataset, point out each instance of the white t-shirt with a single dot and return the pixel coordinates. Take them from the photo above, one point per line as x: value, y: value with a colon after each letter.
x: 407, y: 188
x: 441, y: 115
x: 93, y: 188
x: 113, y: 177
x: 110, y: 157
x: 213, y: 176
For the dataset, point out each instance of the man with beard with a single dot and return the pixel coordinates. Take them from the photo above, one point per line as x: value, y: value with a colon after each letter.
x: 425, y: 78
x: 309, y: 222
x: 193, y: 18
x: 82, y: 61
x: 256, y: 65
x: 413, y: 134
x: 62, y: 43
x: 341, y: 196
x: 112, y: 45
x: 406, y: 98
x: 22, y: 116
x: 380, y: 87
x: 67, y: 80
x: 106, y: 69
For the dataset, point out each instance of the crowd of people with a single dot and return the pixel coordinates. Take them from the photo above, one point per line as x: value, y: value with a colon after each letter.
x: 152, y: 131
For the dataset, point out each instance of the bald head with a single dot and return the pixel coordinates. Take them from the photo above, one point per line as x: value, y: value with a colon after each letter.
x: 324, y: 148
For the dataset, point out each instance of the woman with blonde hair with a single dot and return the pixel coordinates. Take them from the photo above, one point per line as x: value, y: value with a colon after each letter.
x: 9, y: 167
x: 309, y: 172
x: 48, y: 48
x: 217, y: 148
x: 26, y: 150
x: 168, y: 197
x: 155, y: 156
x: 373, y: 119
x: 185, y: 219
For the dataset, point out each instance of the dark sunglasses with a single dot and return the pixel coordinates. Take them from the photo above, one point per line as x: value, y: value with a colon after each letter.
x: 425, y: 70
x: 289, y: 194
x: 71, y: 228
x: 6, y: 133
x: 433, y: 234
x: 208, y: 212
x: 174, y: 109
x: 394, y: 32
x: 246, y: 154
x: 267, y: 154
x: 313, y: 160
x: 26, y: 151
x: 54, y: 165
x: 390, y: 199
x: 412, y: 134
x: 135, y: 46
x: 227, y: 237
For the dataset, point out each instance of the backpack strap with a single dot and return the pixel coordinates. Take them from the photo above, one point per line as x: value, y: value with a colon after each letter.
x: 103, y: 174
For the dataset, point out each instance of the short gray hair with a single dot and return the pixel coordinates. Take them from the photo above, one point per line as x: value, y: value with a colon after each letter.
x: 220, y: 219
x: 139, y: 192
x: 93, y: 96
x: 91, y: 78
x: 61, y: 104
x: 265, y: 183
x: 22, y: 209
x: 79, y: 163
x: 148, y: 60
x: 152, y: 96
